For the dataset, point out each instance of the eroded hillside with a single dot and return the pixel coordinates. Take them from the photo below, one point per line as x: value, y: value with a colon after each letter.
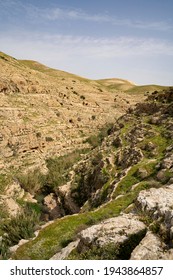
x: 121, y: 193
x: 46, y: 112
x: 82, y: 163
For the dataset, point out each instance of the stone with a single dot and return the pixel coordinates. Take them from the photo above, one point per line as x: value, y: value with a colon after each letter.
x: 12, y: 206
x: 15, y: 191
x: 65, y: 252
x: 118, y: 230
x: 128, y: 156
x: 167, y: 162
x: 161, y: 175
x: 150, y: 248
x: 158, y: 204
x: 54, y: 206
x: 142, y: 173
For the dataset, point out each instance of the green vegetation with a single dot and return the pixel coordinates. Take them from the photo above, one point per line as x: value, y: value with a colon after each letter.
x: 51, y: 239
x: 132, y: 177
x: 5, y: 179
x: 96, y: 139
x: 20, y: 227
x: 89, y: 179
x: 107, y: 252
x: 58, y: 168
x: 31, y: 182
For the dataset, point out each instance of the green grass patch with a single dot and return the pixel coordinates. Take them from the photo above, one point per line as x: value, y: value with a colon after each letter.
x: 19, y: 227
x: 132, y: 177
x: 52, y: 237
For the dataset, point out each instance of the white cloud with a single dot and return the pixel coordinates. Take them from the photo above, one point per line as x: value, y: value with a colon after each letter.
x: 91, y: 47
x: 55, y: 14
x: 58, y: 14
x: 140, y: 60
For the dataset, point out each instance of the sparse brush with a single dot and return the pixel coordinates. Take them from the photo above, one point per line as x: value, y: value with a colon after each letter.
x: 20, y: 227
x: 31, y: 182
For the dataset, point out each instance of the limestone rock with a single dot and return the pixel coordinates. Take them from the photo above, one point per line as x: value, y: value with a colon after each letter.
x: 128, y: 156
x: 158, y: 204
x: 54, y: 206
x: 14, y: 190
x: 118, y: 230
x: 150, y: 248
x: 65, y: 252
x: 12, y: 206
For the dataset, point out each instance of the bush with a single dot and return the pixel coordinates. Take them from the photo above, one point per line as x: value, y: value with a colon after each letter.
x: 106, y: 252
x: 48, y: 139
x: 20, y: 227
x: 32, y: 182
x: 58, y: 169
x: 96, y: 140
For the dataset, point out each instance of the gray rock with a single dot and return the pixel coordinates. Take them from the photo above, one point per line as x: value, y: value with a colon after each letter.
x: 158, y: 203
x: 167, y: 163
x: 119, y: 231
x: 128, y: 156
x: 65, y: 252
x: 150, y: 248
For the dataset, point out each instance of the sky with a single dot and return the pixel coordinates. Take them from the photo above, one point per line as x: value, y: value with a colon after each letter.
x: 128, y: 39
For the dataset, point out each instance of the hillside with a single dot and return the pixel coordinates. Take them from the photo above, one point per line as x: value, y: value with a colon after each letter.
x: 45, y: 112
x: 81, y: 164
x: 122, y: 192
x: 129, y: 87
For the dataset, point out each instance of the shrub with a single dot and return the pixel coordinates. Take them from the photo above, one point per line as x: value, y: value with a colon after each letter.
x: 58, y: 168
x: 96, y: 140
x: 32, y: 182
x: 20, y: 227
x: 89, y: 179
x: 48, y: 139
x: 38, y: 134
x: 82, y: 97
x: 106, y: 252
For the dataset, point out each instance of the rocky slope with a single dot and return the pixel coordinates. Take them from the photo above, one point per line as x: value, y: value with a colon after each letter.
x: 118, y: 201
x: 101, y: 190
x: 46, y: 112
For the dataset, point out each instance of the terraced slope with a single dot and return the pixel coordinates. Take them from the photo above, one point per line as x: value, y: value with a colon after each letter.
x: 121, y: 180
x: 45, y: 112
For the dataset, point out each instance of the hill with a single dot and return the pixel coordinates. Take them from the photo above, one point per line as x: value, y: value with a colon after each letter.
x: 82, y: 164
x: 129, y: 87
x: 47, y: 112
x: 123, y: 191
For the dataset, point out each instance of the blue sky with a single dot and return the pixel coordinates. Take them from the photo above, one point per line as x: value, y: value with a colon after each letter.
x: 130, y: 39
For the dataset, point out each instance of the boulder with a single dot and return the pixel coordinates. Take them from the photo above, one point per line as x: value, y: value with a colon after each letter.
x: 124, y: 232
x: 54, y: 207
x: 158, y: 204
x: 12, y: 206
x: 150, y: 248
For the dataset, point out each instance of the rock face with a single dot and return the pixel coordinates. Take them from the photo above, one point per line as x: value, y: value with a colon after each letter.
x: 150, y: 248
x: 121, y: 232
x: 128, y: 156
x: 158, y: 203
x: 54, y: 207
